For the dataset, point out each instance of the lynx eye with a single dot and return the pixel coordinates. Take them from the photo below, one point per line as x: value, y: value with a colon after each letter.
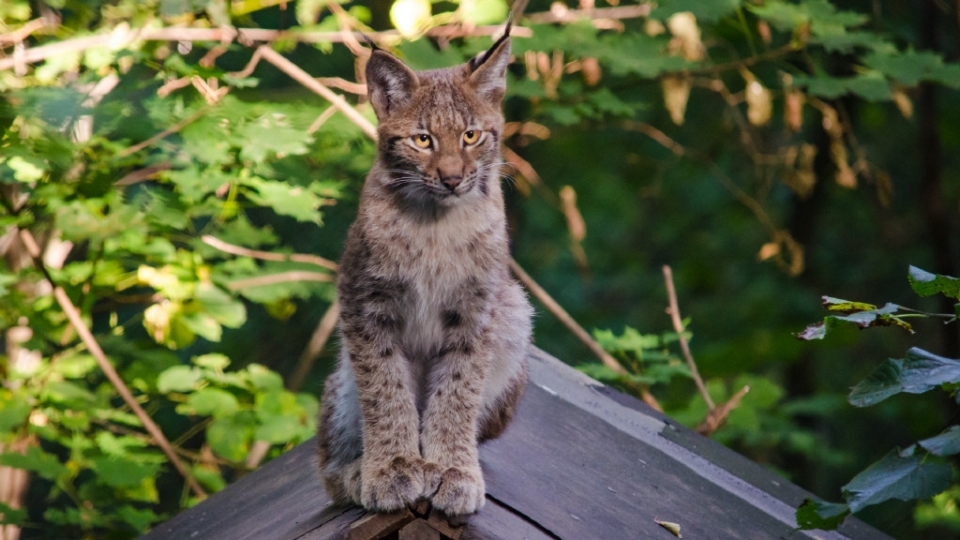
x: 422, y: 140
x: 471, y: 136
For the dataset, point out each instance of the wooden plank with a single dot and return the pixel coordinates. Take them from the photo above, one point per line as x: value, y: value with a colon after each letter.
x: 335, y: 529
x: 280, y: 501
x: 578, y: 462
x: 378, y: 526
x: 419, y: 530
x: 495, y: 522
x: 581, y: 478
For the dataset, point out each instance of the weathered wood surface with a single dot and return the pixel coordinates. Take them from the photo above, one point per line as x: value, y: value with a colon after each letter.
x: 579, y: 462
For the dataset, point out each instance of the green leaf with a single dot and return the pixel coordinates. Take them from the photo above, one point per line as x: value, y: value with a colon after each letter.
x: 214, y: 361
x: 861, y: 314
x: 264, y: 379
x: 200, y: 324
x: 821, y: 15
x: 871, y: 86
x: 75, y: 366
x: 294, y: 201
x: 918, y: 372
x: 35, y: 460
x: 221, y: 306
x: 115, y: 446
x: 140, y: 520
x: 908, y: 68
x: 68, y: 393
x: 230, y: 436
x: 926, y: 284
x: 271, y: 135
x: 944, y: 444
x: 11, y: 516
x: 899, y: 475
x: 210, y: 401
x: 210, y: 479
x: 123, y: 473
x: 178, y: 379
x: 13, y: 413
x: 819, y: 515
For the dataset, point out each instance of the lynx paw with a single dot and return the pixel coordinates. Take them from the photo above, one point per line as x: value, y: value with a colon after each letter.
x: 461, y: 491
x: 432, y: 476
x: 393, y: 486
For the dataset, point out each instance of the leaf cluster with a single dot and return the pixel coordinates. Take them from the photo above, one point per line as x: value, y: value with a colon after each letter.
x: 922, y: 470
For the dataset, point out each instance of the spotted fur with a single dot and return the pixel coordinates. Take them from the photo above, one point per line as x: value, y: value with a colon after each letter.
x: 434, y: 330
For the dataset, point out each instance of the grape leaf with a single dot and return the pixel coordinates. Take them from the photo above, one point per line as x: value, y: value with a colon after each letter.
x: 918, y: 372
x: 904, y: 475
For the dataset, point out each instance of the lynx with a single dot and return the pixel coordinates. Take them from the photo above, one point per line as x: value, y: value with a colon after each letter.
x: 434, y: 330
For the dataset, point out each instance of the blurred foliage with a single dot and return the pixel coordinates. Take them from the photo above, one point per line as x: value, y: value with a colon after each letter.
x: 770, y: 151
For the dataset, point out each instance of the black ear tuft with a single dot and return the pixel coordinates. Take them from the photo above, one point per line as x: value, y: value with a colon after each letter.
x: 370, y: 41
x: 480, y: 59
x: 390, y: 83
x: 489, y: 70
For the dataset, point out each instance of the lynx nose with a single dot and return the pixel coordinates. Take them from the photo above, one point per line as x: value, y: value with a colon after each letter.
x: 451, y: 181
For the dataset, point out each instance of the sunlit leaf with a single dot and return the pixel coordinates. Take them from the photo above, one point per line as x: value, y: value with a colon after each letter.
x: 119, y: 472
x: 926, y: 284
x: 230, y: 436
x: 210, y: 401
x: 178, y: 379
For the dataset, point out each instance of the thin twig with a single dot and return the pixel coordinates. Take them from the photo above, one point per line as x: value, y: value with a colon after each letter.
x: 343, y: 84
x: 577, y: 330
x: 324, y: 116
x: 674, y: 312
x: 165, y: 133
x: 268, y: 255
x: 656, y: 135
x: 73, y: 315
x: 305, y: 79
x: 23, y: 32
x: 716, y: 417
x: 574, y: 15
x: 310, y: 354
x: 280, y: 277
x: 566, y: 319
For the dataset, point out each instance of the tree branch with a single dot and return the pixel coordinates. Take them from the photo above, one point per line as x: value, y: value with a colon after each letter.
x: 305, y: 79
x: 577, y: 330
x: 674, y: 312
x: 73, y: 315
x: 310, y: 354
x: 267, y: 255
x: 280, y: 277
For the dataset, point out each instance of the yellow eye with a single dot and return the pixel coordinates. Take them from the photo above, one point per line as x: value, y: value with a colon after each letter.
x: 422, y: 140
x: 471, y: 136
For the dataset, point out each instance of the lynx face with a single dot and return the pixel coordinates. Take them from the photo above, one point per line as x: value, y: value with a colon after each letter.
x: 439, y: 130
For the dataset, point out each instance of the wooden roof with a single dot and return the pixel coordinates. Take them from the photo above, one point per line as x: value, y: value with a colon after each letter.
x: 580, y: 461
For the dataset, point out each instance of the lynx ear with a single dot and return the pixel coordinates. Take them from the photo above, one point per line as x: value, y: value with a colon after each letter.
x: 390, y: 83
x: 489, y: 70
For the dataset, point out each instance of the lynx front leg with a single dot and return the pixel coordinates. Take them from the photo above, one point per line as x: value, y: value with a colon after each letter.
x: 449, y: 436
x: 391, y: 469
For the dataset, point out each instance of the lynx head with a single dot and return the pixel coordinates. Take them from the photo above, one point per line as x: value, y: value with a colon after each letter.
x: 440, y: 130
